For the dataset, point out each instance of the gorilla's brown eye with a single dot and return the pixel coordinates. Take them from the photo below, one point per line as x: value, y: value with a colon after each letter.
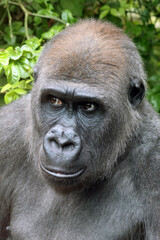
x: 88, y: 107
x: 55, y: 101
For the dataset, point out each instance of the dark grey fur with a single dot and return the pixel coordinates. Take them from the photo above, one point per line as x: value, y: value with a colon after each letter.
x: 118, y: 195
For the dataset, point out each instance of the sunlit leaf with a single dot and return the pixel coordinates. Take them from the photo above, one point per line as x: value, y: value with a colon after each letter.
x: 52, y: 32
x: 103, y: 14
x: 20, y: 91
x: 114, y: 12
x: 4, y: 58
x: 48, y: 12
x: 24, y: 67
x: 6, y: 87
x: 105, y: 8
x: 12, y: 72
x: 14, y: 53
x: 10, y: 96
x: 34, y: 43
x: 67, y: 16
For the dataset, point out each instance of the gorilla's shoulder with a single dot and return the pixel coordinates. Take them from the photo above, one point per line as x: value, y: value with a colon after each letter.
x: 13, y: 120
x: 15, y: 111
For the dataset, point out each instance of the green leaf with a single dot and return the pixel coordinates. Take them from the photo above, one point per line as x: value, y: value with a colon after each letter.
x: 143, y: 45
x: 132, y: 29
x: 155, y: 89
x: 125, y: 5
x: 29, y: 81
x: 14, y: 53
x: 21, y: 31
x: 48, y: 12
x: 20, y: 84
x: 76, y: 7
x: 36, y: 6
x: 24, y: 84
x: 48, y: 35
x: 67, y: 16
x: 6, y: 87
x: 32, y: 62
x: 103, y: 14
x: 155, y: 100
x: 121, y: 11
x: 52, y: 32
x: 105, y: 8
x: 49, y: 6
x: 37, y: 20
x: 29, y: 86
x: 9, y: 40
x: 24, y: 67
x: 158, y: 7
x: 16, y: 26
x: 20, y: 91
x: 39, y: 1
x: 114, y: 12
x: 27, y: 51
x: 34, y: 43
x: 10, y: 97
x: 12, y: 72
x: 4, y: 58
x: 3, y: 80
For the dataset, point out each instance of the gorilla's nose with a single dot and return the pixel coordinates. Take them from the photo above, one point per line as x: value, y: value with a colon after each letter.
x: 64, y: 138
x: 62, y: 144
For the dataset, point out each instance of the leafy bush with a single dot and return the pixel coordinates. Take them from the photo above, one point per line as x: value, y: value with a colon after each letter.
x: 26, y: 26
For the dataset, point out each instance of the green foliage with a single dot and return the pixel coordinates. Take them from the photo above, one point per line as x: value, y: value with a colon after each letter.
x: 76, y: 7
x: 16, y: 65
x: 26, y: 25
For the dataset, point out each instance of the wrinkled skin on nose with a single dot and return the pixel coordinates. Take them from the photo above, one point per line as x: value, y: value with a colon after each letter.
x: 61, y: 145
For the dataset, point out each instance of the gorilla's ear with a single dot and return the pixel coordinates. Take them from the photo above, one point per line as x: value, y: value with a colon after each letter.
x: 35, y: 73
x: 136, y: 91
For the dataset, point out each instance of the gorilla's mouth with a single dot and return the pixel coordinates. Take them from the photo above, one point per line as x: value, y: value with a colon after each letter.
x: 62, y: 174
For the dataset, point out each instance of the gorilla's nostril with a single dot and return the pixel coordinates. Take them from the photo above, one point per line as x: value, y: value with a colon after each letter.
x: 68, y: 147
x: 63, y: 144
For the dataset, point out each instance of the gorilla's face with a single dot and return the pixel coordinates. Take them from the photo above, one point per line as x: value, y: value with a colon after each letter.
x: 83, y: 131
x: 74, y: 140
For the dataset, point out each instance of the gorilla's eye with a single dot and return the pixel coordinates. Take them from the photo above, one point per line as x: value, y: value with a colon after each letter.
x: 89, y: 107
x: 55, y: 101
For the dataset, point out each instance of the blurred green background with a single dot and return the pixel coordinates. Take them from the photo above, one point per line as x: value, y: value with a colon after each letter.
x: 25, y: 26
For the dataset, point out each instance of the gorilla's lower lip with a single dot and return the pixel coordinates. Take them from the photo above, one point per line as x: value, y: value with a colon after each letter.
x: 60, y: 174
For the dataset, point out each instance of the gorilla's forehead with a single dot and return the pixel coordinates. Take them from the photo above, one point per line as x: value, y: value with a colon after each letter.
x: 83, y: 67
x: 85, y: 52
x: 85, y: 70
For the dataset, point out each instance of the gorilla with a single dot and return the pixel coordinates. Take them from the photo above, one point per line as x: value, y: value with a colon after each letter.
x: 80, y: 154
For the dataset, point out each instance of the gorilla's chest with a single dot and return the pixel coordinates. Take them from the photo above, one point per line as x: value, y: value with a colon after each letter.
x: 47, y: 217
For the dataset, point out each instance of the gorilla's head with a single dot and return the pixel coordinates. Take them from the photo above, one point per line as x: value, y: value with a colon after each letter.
x: 85, y: 103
